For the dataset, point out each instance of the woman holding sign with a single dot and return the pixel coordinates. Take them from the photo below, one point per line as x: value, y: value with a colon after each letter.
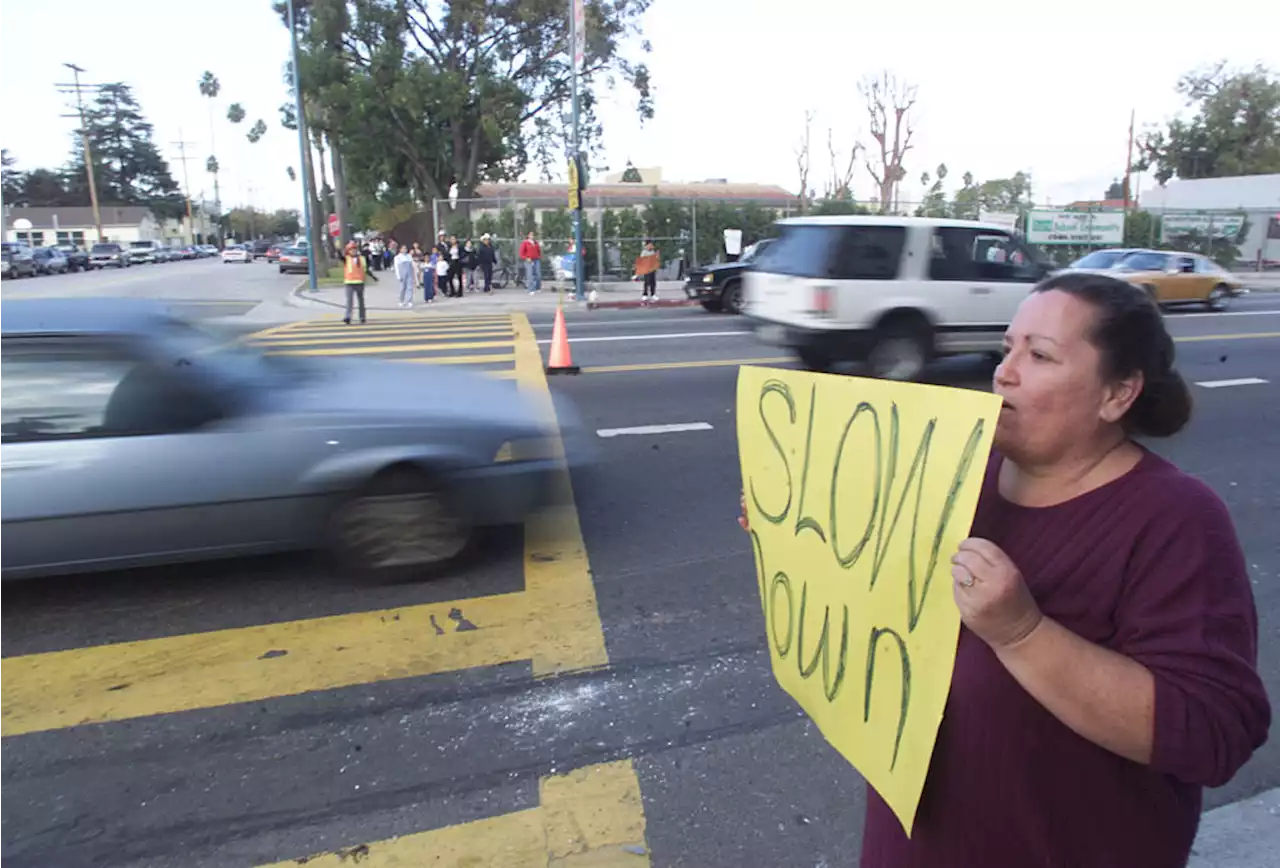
x: 1107, y: 670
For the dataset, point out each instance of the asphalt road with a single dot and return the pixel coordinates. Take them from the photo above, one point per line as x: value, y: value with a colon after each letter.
x: 265, y: 744
x: 197, y: 288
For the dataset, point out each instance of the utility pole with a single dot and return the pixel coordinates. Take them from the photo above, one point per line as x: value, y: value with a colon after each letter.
x: 1128, y: 165
x: 84, y: 135
x: 186, y: 186
x: 4, y: 220
x: 578, y: 42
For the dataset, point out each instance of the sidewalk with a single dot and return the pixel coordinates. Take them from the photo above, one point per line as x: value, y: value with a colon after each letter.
x: 1244, y: 834
x: 383, y: 298
x: 1260, y: 281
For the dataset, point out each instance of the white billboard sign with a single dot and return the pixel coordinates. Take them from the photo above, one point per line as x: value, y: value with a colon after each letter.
x: 733, y: 241
x: 999, y: 218
x: 1176, y: 224
x: 1076, y: 227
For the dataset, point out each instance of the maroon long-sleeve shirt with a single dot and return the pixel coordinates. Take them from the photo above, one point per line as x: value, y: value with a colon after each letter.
x: 1148, y: 565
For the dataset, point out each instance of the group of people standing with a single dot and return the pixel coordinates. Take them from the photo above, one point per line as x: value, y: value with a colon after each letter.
x: 446, y: 270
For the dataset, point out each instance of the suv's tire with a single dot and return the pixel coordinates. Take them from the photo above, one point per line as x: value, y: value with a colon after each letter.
x: 1217, y: 300
x: 731, y: 297
x: 814, y: 359
x: 401, y: 524
x: 901, y: 349
x: 712, y: 304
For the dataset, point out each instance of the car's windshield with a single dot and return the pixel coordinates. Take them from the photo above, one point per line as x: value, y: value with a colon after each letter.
x: 1143, y: 261
x: 1100, y: 259
x: 105, y: 248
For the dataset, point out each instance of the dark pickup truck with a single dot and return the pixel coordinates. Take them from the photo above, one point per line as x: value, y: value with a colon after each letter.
x: 719, y: 287
x: 77, y: 259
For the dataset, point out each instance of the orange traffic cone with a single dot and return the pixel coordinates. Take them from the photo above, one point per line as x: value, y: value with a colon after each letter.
x: 561, y: 361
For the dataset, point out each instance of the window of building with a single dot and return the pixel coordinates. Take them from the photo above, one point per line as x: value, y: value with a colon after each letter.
x: 34, y: 239
x: 74, y: 237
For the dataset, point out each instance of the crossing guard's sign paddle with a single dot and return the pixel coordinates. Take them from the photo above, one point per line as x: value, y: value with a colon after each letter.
x: 858, y: 492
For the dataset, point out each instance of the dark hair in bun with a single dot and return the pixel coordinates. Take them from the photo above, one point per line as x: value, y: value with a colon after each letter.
x: 1131, y: 336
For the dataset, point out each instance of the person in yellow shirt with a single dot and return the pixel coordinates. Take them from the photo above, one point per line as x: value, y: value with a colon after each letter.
x: 355, y: 268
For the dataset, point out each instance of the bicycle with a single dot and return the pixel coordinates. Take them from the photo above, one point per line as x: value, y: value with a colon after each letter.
x: 508, y: 274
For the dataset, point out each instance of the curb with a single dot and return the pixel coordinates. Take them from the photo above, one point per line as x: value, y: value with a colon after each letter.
x: 634, y: 304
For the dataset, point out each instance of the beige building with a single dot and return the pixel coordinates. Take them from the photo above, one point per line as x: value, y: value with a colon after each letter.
x: 120, y: 223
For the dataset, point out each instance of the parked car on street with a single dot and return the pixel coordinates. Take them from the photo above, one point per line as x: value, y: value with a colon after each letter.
x: 109, y: 254
x: 1171, y: 277
x: 719, y: 287
x: 132, y: 438
x: 77, y: 257
x: 236, y: 253
x: 145, y: 252
x: 49, y: 260
x: 18, y: 261
x: 293, y: 260
x: 259, y: 249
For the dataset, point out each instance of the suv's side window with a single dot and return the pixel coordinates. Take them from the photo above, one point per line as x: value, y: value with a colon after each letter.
x: 868, y: 253
x: 960, y: 253
x: 62, y: 389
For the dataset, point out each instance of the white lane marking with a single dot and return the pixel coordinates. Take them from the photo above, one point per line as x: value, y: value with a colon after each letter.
x: 654, y: 429
x: 661, y: 337
x: 609, y: 323
x: 1223, y: 384
x: 1174, y: 316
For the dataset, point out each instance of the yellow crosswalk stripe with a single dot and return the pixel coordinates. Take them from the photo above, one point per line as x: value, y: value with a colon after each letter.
x: 379, y: 337
x: 590, y: 817
x: 424, y: 340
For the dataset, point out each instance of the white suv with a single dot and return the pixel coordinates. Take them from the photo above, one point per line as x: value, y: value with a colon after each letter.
x: 894, y: 292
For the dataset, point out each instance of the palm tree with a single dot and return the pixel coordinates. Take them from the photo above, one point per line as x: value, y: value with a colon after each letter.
x: 209, y: 88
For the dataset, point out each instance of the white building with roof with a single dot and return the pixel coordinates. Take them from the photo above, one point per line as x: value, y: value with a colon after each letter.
x: 1211, y: 201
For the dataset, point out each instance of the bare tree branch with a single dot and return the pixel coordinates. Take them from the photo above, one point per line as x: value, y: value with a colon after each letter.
x: 840, y: 183
x: 803, y: 161
x: 889, y: 103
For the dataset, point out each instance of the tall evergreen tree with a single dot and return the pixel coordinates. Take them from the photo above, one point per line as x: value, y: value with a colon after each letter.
x: 128, y: 167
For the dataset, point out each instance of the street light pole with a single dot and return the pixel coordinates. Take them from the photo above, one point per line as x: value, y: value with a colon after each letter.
x: 302, y: 150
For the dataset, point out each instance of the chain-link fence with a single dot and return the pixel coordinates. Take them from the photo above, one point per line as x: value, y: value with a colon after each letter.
x: 686, y: 231
x: 690, y: 231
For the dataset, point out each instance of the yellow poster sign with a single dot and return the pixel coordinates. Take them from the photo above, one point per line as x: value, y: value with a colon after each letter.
x: 858, y: 492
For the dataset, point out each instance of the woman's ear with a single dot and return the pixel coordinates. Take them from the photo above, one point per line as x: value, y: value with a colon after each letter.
x: 1119, y: 397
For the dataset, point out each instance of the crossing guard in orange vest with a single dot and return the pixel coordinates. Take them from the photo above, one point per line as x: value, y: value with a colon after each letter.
x: 355, y: 268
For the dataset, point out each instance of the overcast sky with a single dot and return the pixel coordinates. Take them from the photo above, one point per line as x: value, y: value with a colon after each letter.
x: 1000, y: 88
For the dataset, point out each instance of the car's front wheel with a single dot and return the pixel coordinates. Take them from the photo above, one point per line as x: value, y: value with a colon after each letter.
x: 731, y: 298
x: 1217, y: 300
x: 401, y: 524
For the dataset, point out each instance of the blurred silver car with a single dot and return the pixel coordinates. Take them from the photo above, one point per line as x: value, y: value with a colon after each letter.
x: 132, y: 438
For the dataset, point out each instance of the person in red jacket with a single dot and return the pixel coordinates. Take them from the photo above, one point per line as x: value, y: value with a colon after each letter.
x: 531, y: 254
